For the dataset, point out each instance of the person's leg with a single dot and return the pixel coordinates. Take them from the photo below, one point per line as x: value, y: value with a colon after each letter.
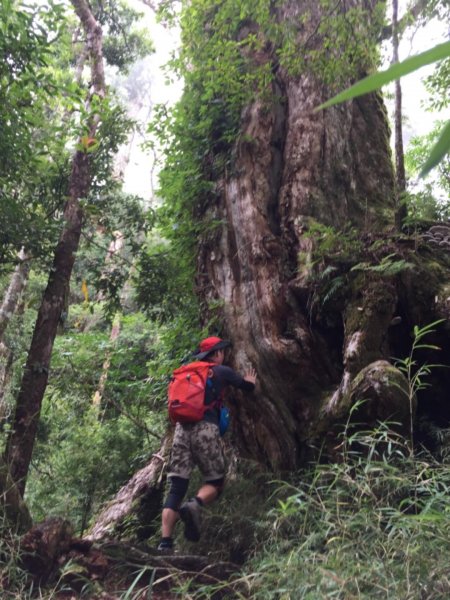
x: 208, y: 455
x: 179, y: 472
x: 170, y: 515
x: 210, y: 491
x: 169, y: 520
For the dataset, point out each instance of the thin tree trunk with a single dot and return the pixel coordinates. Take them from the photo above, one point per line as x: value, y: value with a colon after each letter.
x: 21, y: 441
x: 14, y: 292
x: 413, y: 13
x: 400, y: 176
x: 6, y: 361
x: 114, y: 250
x: 115, y: 330
x: 9, y: 308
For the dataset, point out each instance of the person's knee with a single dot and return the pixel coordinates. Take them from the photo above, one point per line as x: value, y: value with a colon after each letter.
x: 177, y: 491
x: 219, y: 484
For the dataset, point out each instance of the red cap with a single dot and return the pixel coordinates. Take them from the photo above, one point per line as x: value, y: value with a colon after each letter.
x: 210, y: 344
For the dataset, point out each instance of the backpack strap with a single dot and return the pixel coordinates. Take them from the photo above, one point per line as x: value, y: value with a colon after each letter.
x: 217, y: 402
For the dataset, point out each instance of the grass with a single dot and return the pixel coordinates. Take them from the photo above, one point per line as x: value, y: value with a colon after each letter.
x: 376, y: 525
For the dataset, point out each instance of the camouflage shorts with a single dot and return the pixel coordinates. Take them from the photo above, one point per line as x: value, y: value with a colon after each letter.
x: 197, y: 444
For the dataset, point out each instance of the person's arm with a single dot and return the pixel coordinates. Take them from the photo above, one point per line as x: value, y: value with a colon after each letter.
x: 228, y: 376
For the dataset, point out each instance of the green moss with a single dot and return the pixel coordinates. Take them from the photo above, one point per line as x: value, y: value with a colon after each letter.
x: 380, y: 372
x: 228, y: 57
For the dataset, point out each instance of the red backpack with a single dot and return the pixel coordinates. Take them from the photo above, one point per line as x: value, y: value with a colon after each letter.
x: 186, y: 393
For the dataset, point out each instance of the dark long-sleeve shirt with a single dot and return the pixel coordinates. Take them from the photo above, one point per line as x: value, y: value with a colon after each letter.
x: 222, y: 377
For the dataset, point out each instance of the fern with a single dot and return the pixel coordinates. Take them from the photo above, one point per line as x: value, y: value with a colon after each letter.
x: 327, y: 271
x: 335, y: 285
x: 388, y: 267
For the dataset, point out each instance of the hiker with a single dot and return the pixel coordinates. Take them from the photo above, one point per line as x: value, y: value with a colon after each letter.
x: 199, y: 444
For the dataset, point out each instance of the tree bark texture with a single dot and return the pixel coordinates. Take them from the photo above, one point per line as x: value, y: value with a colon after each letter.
x: 13, y: 510
x: 34, y: 382
x: 6, y: 362
x: 10, y: 306
x: 294, y: 167
x: 42, y: 546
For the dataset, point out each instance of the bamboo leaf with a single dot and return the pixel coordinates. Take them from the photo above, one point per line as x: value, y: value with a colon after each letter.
x: 430, y: 326
x: 377, y: 80
x: 429, y: 346
x: 426, y: 516
x: 439, y: 150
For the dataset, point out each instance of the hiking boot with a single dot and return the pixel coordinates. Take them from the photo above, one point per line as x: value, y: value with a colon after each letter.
x: 165, y: 548
x: 190, y: 515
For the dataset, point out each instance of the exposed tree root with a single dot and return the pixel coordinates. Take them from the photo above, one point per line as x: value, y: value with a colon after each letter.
x: 78, y: 567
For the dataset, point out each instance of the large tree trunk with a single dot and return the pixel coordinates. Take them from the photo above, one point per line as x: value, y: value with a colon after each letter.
x: 34, y: 382
x: 301, y: 167
x: 294, y: 167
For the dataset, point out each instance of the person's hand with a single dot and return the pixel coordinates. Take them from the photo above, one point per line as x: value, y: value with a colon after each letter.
x: 250, y: 376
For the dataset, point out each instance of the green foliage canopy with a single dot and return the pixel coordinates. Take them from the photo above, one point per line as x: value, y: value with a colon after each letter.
x: 123, y: 42
x: 33, y: 160
x: 42, y: 114
x: 88, y: 452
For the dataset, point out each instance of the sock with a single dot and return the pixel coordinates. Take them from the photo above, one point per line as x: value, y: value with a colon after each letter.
x: 199, y: 501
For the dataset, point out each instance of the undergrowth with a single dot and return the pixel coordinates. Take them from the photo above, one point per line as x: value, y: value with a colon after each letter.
x: 14, y: 582
x: 375, y: 525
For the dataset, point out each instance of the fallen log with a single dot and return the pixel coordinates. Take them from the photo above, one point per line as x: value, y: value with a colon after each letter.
x: 116, y: 565
x: 140, y: 498
x: 51, y: 555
